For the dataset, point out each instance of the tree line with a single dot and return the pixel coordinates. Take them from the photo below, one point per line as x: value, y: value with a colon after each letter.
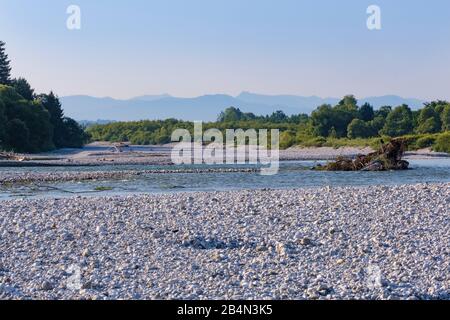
x: 343, y: 124
x: 31, y: 122
x: 347, y: 119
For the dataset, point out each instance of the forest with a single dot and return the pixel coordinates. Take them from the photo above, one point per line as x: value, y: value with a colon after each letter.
x: 345, y: 124
x: 31, y: 122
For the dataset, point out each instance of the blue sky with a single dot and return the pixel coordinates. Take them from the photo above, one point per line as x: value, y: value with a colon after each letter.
x: 194, y: 47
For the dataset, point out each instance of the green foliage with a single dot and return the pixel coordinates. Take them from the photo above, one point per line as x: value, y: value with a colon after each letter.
x: 278, y: 117
x: 333, y: 133
x: 383, y: 112
x: 425, y: 142
x: 18, y: 142
x: 358, y: 129
x: 376, y: 125
x: 23, y: 88
x: 159, y: 131
x: 326, y: 117
x: 287, y: 139
x: 349, y: 101
x: 322, y: 120
x: 233, y: 114
x: 29, y: 123
x: 28, y: 127
x: 428, y: 121
x: 366, y: 113
x: 445, y: 118
x: 5, y: 69
x: 344, y: 113
x: 3, y: 121
x: 323, y: 128
x: 443, y: 142
x: 73, y: 135
x: 138, y: 132
x: 399, y: 122
x: 53, y: 106
x: 142, y: 138
x: 308, y: 141
x: 103, y: 188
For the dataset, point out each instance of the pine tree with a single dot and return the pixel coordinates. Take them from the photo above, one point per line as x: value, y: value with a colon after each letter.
x: 5, y: 69
x: 52, y: 104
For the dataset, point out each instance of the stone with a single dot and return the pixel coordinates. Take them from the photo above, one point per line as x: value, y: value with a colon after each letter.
x: 281, y: 249
x: 86, y: 253
x: 305, y: 241
x: 68, y: 236
x: 47, y: 286
x: 87, y: 285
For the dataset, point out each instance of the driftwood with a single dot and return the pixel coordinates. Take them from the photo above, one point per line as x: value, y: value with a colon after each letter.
x: 119, y: 147
x: 11, y: 156
x: 389, y: 157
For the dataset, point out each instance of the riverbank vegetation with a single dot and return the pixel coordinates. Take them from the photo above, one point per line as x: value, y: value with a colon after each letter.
x: 31, y: 122
x: 345, y: 124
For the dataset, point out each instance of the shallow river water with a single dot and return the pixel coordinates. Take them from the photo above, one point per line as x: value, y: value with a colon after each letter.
x: 293, y: 174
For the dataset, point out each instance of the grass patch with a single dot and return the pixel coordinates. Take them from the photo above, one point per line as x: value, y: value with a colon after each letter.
x: 102, y: 188
x: 310, y: 142
x: 442, y: 143
x: 439, y: 142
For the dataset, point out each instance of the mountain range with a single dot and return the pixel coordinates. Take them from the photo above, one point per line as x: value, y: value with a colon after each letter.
x: 206, y: 107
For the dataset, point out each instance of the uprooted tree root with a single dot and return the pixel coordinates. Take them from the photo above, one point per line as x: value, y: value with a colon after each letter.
x: 389, y: 157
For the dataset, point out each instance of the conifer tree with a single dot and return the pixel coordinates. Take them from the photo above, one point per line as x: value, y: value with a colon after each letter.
x: 5, y: 69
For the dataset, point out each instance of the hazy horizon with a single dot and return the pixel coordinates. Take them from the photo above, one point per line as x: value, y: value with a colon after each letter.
x: 188, y: 49
x: 169, y: 95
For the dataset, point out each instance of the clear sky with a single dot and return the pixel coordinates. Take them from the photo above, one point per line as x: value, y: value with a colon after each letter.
x: 194, y: 47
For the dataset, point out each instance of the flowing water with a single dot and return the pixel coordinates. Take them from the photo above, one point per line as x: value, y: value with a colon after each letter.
x: 293, y: 174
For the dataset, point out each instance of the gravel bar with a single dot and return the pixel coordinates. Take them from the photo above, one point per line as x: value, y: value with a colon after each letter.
x: 7, y: 178
x: 321, y: 243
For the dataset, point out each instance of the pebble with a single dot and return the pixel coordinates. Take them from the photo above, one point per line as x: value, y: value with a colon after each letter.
x: 286, y: 251
x: 86, y: 253
x: 47, y: 286
x: 305, y: 241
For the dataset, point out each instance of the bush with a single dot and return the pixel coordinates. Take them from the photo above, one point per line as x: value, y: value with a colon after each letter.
x: 287, y: 139
x: 311, y: 141
x: 425, y: 142
x: 442, y: 143
x: 428, y: 121
x: 358, y: 129
x: 17, y: 135
x: 445, y: 118
x: 399, y: 122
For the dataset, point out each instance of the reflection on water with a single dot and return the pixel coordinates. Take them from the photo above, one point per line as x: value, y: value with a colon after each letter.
x: 291, y: 175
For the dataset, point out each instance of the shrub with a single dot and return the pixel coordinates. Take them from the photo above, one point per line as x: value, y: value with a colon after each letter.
x: 425, y: 142
x: 287, y: 139
x: 314, y: 142
x: 399, y: 122
x: 358, y: 129
x: 442, y: 143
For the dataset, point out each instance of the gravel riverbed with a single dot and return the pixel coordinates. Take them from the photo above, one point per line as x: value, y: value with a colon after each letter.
x: 322, y: 243
x: 12, y: 177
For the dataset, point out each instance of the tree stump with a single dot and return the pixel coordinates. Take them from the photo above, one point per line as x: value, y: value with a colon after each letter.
x: 389, y: 157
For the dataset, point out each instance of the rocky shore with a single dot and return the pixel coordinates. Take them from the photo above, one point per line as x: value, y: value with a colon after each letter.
x: 99, y: 154
x: 322, y: 243
x: 12, y: 177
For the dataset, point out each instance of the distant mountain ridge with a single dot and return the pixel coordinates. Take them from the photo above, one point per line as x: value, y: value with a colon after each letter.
x: 206, y: 107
